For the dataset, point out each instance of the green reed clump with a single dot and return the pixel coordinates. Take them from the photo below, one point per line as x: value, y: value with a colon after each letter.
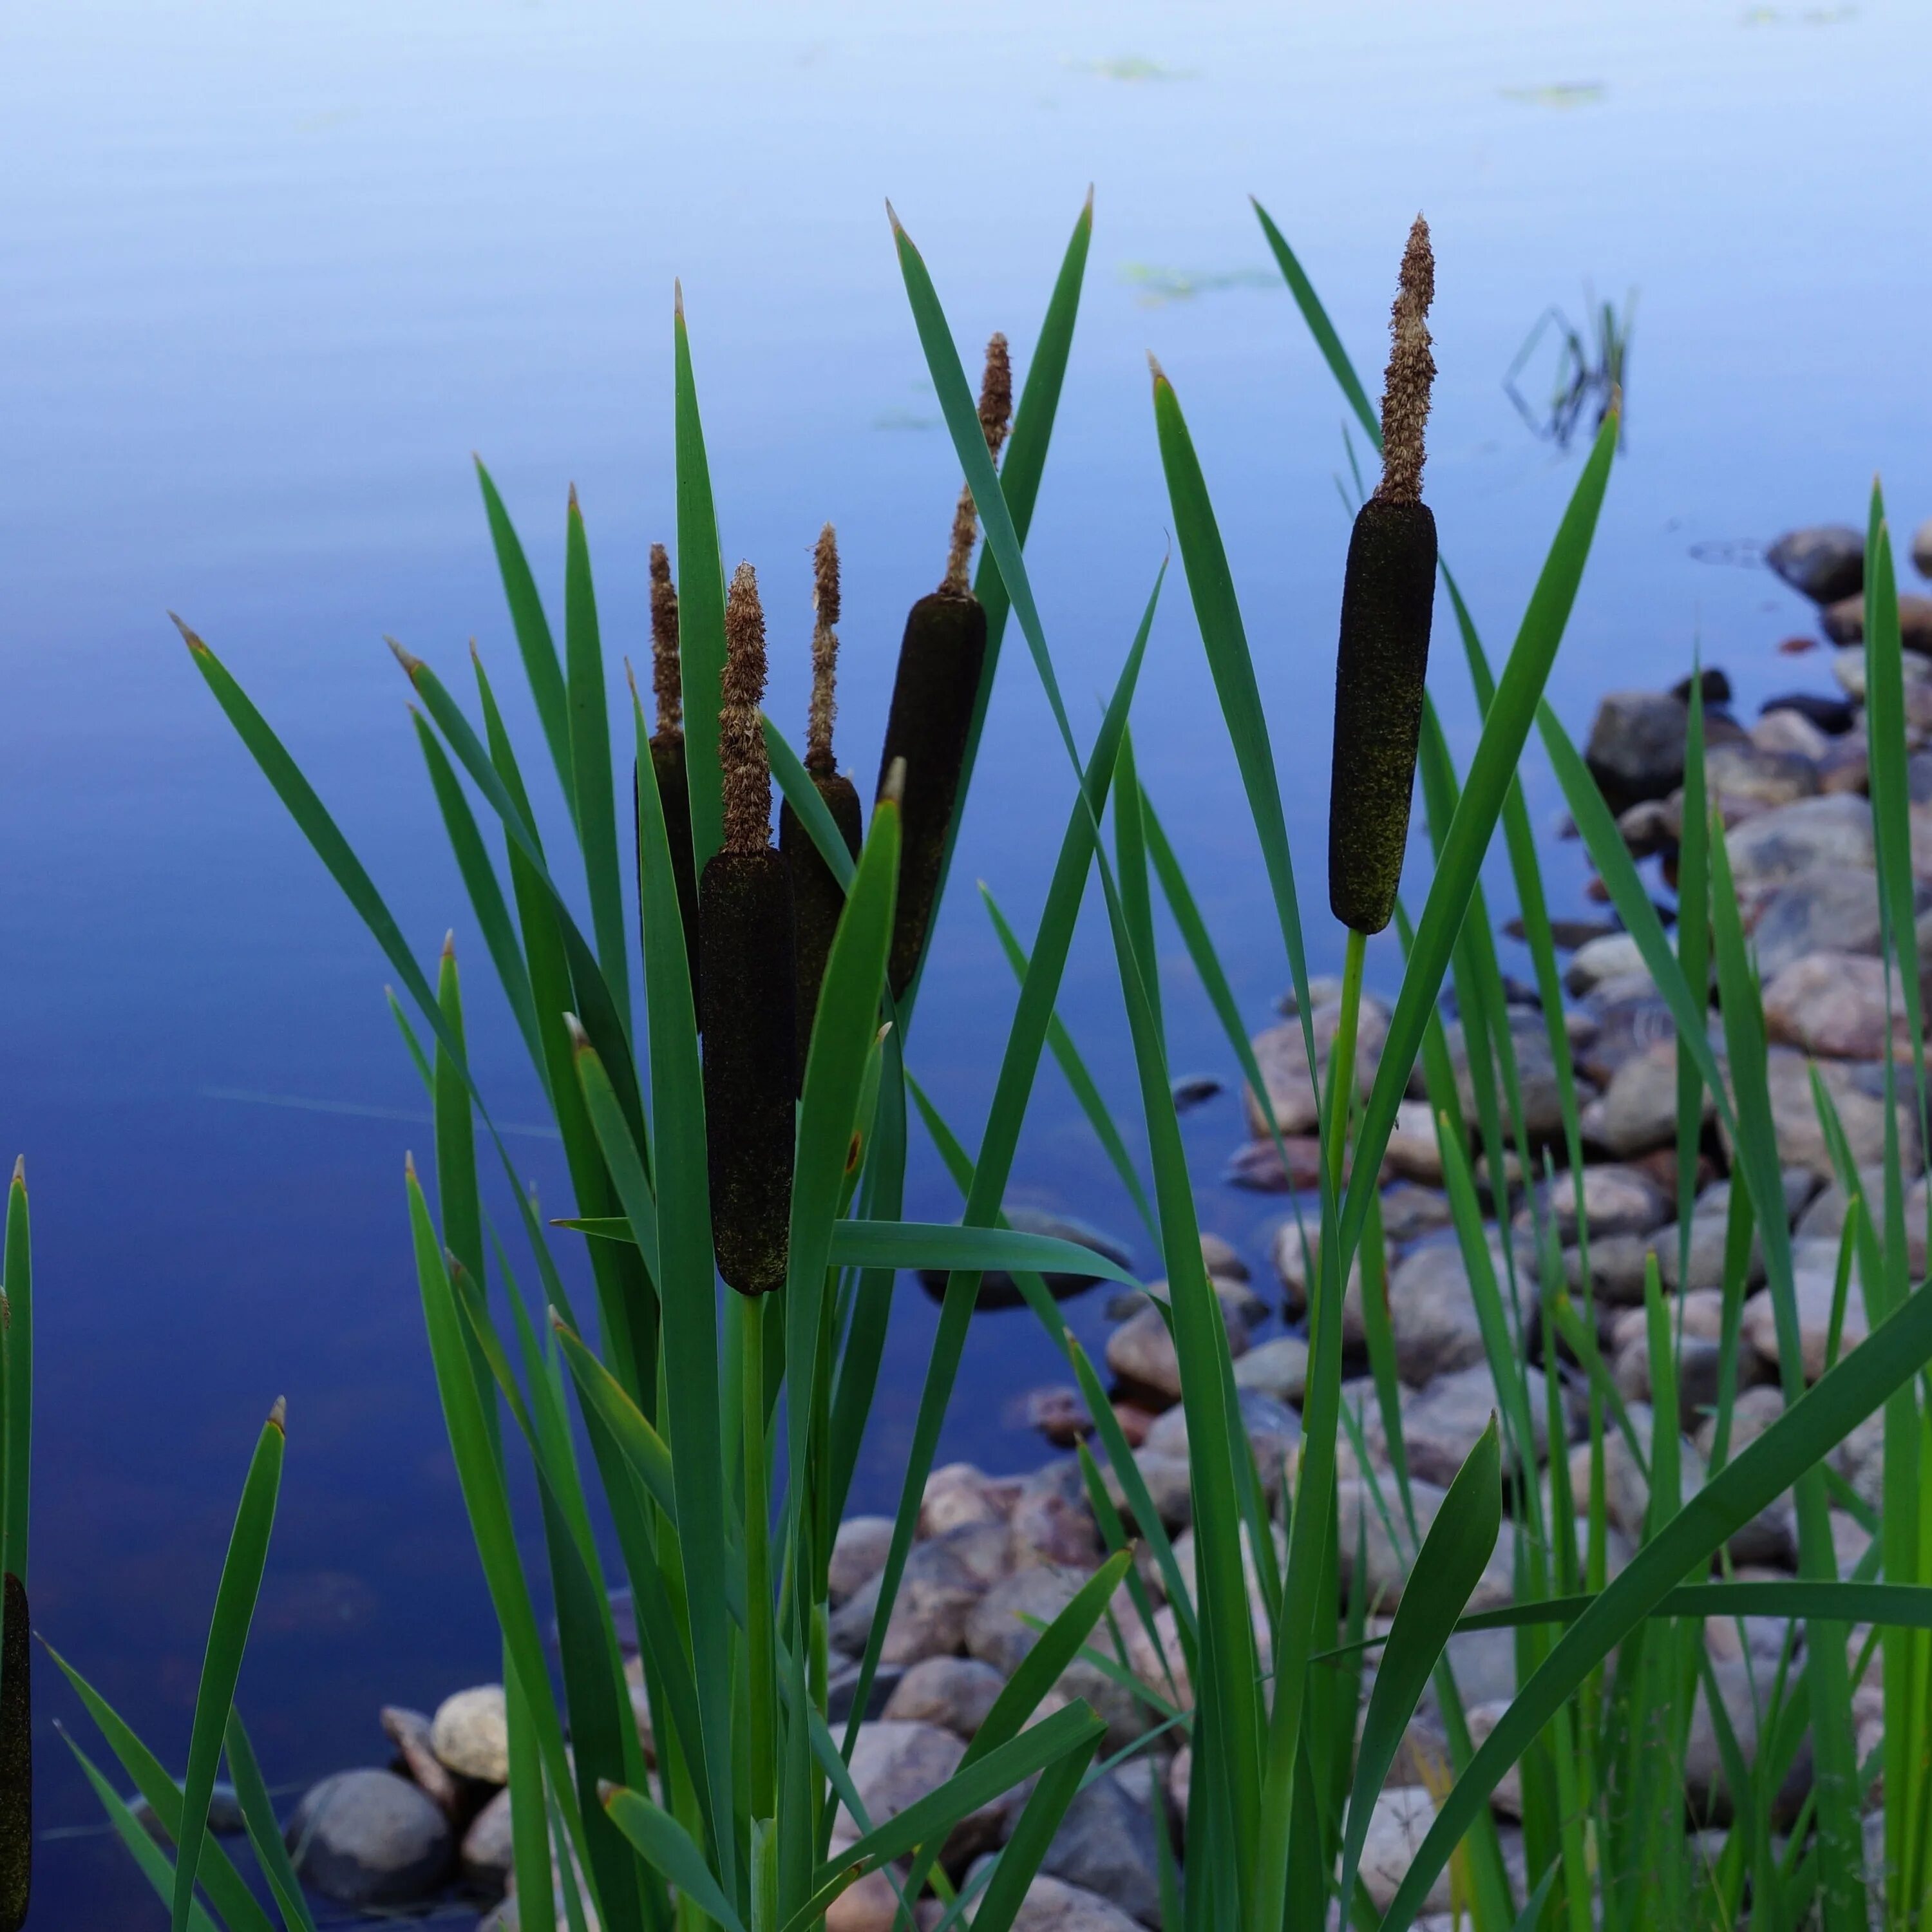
x: 817, y: 898
x: 941, y: 658
x: 1386, y: 597
x: 668, y: 747
x: 747, y: 979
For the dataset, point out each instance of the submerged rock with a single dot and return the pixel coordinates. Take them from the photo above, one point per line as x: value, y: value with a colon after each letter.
x: 997, y: 1288
x: 1824, y: 562
x: 368, y: 1838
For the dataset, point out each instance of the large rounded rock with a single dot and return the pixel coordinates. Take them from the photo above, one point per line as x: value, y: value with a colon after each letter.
x: 470, y: 1734
x: 1638, y: 1110
x: 895, y: 1764
x: 995, y: 1633
x: 1823, y: 562
x: 1833, y: 833
x: 1617, y: 1200
x: 954, y: 1692
x: 997, y: 1288
x: 858, y: 1551
x: 1272, y: 1429
x: 1857, y: 1092
x: 1814, y: 1290
x: 1636, y: 746
x: 1836, y: 1003
x: 366, y: 1838
x: 1397, y: 1825
x: 1277, y: 1367
x: 944, y: 1578
x: 1837, y: 909
x: 1432, y: 1310
x: 1105, y: 1845
x: 1141, y: 1352
x: 1441, y: 1423
x: 487, y: 1856
x: 1844, y: 622
x: 1052, y: 1905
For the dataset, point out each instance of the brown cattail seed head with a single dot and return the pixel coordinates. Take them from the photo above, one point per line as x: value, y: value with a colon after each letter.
x: 824, y: 655
x: 996, y: 413
x: 1412, y: 369
x: 667, y: 676
x: 741, y: 737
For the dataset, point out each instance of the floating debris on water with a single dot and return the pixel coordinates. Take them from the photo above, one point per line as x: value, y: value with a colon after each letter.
x: 1587, y: 370
x: 1159, y: 287
x: 1558, y: 93
x: 1132, y: 66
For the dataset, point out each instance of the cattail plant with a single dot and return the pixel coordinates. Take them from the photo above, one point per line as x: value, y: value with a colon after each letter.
x: 941, y: 658
x: 1387, y: 593
x: 1387, y: 596
x: 818, y: 897
x: 668, y: 747
x: 747, y: 980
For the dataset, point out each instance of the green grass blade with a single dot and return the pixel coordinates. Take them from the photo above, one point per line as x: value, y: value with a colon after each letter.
x: 1447, y: 1568
x: 221, y: 1663
x: 687, y: 1288
x: 16, y: 1447
x: 590, y: 763
x: 1019, y: 488
x: 1032, y: 1837
x: 480, y: 1477
x: 227, y: 1891
x: 529, y: 1825
x: 666, y: 1847
x: 940, y: 1244
x: 1218, y: 613
x: 156, y: 1866
x: 258, y: 1815
x: 1060, y: 1042
x: 533, y: 637
x: 1321, y: 327
x: 486, y: 892
x: 700, y: 605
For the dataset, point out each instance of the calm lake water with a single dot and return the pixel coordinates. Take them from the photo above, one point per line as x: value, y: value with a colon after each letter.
x: 272, y: 274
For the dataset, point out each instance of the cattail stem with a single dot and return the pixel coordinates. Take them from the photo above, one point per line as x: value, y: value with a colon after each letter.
x: 817, y: 898
x: 1388, y: 594
x: 996, y: 412
x: 748, y: 980
x: 1341, y: 1095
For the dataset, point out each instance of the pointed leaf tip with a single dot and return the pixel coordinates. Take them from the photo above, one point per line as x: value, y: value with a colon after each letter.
x: 580, y: 1040
x: 607, y: 1789
x: 449, y: 944
x: 1155, y: 369
x: 410, y: 663
x: 893, y: 792
x: 190, y: 637
x: 677, y: 297
x: 574, y: 510
x: 891, y: 215
x: 20, y: 1170
x: 278, y: 1416
x: 408, y: 1166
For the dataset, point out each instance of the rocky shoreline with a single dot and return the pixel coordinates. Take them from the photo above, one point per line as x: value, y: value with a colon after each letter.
x: 993, y: 1551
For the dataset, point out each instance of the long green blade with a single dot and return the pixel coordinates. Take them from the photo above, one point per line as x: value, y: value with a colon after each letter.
x: 700, y: 605
x: 227, y: 1638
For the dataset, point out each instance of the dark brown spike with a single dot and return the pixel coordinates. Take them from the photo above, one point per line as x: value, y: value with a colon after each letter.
x: 941, y: 658
x: 1388, y: 595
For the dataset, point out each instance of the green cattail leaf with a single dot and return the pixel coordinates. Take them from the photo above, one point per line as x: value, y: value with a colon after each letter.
x: 157, y: 1867
x: 590, y: 763
x: 533, y: 635
x: 700, y: 610
x: 225, y: 1888
x: 221, y: 1664
x: 264, y: 1835
x: 1447, y: 1568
